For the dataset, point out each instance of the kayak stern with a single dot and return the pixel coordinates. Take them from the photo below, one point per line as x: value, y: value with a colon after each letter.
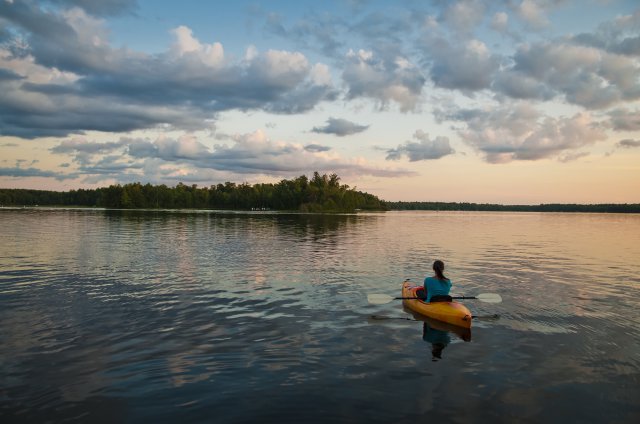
x: 454, y: 313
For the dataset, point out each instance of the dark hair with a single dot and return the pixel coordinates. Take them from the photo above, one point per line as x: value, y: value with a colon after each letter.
x: 438, y: 267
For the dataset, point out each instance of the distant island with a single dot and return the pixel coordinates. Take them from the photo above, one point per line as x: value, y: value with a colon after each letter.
x: 320, y: 193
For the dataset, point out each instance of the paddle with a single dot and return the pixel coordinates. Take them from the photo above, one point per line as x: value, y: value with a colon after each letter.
x: 480, y: 317
x: 381, y: 299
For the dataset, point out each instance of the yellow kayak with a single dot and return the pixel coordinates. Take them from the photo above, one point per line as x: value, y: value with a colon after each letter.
x: 453, y: 313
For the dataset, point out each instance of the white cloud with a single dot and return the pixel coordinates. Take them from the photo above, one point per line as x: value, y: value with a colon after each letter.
x: 519, y: 132
x: 397, y: 81
x: 209, y: 54
x: 464, y: 16
x: 280, y: 68
x: 533, y: 13
x: 584, y: 75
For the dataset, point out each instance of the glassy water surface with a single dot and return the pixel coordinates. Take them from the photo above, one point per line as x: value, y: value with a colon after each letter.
x: 123, y: 316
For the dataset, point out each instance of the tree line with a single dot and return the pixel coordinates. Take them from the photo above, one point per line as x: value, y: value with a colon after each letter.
x: 321, y: 193
x: 551, y: 207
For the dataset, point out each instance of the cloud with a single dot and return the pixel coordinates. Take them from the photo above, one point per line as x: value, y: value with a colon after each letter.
x: 586, y: 76
x: 467, y: 66
x: 249, y: 154
x: 625, y: 120
x: 77, y: 145
x: 340, y: 127
x: 519, y: 132
x: 385, y: 81
x: 628, y: 144
x: 185, y: 147
x: 570, y: 157
x: 102, y: 7
x: 316, y: 148
x: 533, y: 13
x: 19, y: 172
x: 500, y: 22
x: 464, y: 16
x: 424, y: 149
x: 618, y: 36
x: 316, y: 31
x: 518, y: 85
x: 69, y: 79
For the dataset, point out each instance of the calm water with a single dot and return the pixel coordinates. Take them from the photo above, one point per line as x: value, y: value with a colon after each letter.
x: 112, y: 316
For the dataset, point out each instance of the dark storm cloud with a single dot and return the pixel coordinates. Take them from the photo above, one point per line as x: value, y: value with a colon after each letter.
x: 340, y: 127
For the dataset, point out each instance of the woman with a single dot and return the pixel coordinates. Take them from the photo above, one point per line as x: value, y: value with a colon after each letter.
x: 438, y: 286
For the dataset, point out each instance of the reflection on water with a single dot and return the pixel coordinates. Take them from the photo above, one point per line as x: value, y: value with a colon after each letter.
x: 439, y: 339
x: 439, y: 334
x: 162, y: 316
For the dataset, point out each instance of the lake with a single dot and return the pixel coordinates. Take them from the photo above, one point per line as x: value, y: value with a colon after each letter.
x: 211, y: 316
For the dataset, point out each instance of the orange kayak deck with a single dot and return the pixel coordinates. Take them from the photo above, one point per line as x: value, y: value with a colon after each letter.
x: 453, y: 313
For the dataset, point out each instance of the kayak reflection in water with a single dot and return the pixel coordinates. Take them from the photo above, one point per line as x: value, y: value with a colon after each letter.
x: 439, y: 339
x: 439, y: 335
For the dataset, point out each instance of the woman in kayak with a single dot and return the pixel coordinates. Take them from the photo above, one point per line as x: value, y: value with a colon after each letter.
x: 437, y: 287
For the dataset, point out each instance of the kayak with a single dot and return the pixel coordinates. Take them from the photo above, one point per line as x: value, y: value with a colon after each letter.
x: 454, y: 313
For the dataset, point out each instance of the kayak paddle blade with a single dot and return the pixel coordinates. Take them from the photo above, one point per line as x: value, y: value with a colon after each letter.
x: 489, y: 297
x: 379, y: 299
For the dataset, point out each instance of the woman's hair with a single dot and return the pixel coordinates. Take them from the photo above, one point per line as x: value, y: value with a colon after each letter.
x: 438, y: 267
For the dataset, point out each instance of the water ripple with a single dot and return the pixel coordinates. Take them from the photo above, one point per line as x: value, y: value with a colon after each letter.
x: 165, y: 316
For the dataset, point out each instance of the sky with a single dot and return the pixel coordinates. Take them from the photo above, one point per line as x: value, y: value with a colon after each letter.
x: 487, y: 101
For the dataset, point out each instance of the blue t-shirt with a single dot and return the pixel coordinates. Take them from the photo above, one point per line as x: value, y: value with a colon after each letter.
x: 435, y: 287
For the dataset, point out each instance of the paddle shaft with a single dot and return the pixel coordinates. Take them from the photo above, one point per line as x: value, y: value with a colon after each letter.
x: 381, y: 317
x: 417, y: 298
x: 381, y: 299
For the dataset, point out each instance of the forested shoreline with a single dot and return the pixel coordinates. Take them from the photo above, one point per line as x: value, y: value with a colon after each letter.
x: 321, y: 193
x: 545, y: 207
